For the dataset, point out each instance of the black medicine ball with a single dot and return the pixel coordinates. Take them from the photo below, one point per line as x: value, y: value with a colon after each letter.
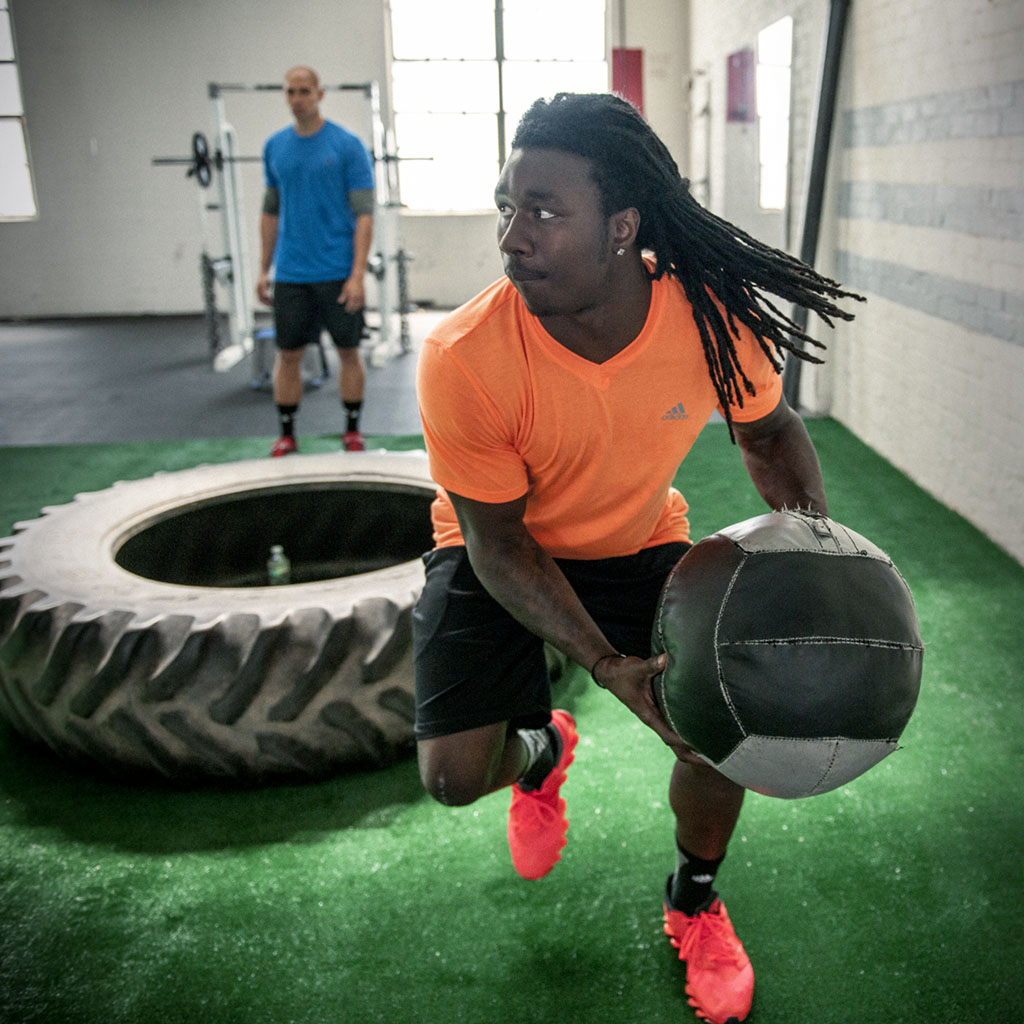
x: 794, y: 653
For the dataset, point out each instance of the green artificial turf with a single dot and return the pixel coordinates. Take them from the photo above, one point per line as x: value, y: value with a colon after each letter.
x: 896, y: 898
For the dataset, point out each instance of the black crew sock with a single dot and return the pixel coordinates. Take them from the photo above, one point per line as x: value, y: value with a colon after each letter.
x: 544, y: 748
x: 286, y: 417
x: 352, y: 411
x: 690, y: 888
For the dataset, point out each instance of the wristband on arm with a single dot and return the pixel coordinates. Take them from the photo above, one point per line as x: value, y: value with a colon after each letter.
x: 598, y: 662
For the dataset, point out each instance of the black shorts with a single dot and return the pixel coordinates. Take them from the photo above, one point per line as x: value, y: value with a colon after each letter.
x: 476, y: 665
x: 302, y: 311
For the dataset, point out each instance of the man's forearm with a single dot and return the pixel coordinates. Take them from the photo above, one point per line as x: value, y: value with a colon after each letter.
x: 784, y: 467
x: 527, y: 582
x: 361, y: 242
x: 268, y: 240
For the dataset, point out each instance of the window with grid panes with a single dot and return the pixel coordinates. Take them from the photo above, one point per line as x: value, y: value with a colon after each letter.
x: 17, y: 195
x: 463, y: 73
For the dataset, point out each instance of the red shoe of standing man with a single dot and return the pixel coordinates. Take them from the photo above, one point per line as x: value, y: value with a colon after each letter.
x: 284, y: 446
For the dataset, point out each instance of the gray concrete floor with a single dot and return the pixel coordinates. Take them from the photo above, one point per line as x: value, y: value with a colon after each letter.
x: 151, y: 379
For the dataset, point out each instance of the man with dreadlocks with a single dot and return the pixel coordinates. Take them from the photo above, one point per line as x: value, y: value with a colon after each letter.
x: 557, y: 406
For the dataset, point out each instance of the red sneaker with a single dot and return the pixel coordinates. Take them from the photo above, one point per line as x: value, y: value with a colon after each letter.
x: 536, y: 820
x: 719, y: 978
x: 352, y: 441
x: 284, y: 446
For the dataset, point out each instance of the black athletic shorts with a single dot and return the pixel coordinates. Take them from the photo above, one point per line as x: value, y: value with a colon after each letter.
x: 301, y: 311
x: 476, y: 665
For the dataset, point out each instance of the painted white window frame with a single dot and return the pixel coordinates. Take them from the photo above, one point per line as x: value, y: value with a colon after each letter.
x: 464, y: 72
x: 17, y: 189
x: 774, y: 86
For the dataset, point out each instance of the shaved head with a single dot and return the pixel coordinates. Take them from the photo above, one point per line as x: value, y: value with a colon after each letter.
x: 301, y: 71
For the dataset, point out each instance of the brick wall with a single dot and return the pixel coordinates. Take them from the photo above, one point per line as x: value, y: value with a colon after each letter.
x: 930, y: 226
x: 925, y: 216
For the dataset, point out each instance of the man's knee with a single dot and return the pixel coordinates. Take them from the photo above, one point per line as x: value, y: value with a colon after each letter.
x: 350, y: 358
x: 290, y: 358
x: 451, y: 780
x: 451, y: 788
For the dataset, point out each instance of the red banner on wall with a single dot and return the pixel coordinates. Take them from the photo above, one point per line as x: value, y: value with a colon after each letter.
x: 628, y: 75
x: 741, y: 102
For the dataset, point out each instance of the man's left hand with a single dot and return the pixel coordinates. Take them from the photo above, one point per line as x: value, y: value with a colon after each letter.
x: 631, y: 680
x: 353, y: 295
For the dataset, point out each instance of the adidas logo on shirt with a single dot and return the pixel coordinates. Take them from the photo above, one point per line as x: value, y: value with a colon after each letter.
x: 677, y: 412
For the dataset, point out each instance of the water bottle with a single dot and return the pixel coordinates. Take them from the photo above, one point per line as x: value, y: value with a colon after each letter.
x: 279, y: 569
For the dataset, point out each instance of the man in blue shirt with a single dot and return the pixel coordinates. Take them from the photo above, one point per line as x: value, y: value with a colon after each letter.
x: 315, y: 234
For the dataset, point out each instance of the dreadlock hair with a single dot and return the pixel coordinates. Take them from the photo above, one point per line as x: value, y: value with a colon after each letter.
x: 721, y: 267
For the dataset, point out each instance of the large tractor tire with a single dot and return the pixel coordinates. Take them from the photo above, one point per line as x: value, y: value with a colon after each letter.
x: 138, y: 631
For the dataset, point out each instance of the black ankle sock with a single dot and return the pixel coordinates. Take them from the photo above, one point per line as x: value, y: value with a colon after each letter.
x: 544, y: 747
x: 352, y: 410
x: 690, y: 888
x: 286, y: 417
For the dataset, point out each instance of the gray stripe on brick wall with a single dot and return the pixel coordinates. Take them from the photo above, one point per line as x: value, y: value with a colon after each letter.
x: 974, y: 307
x: 982, y: 113
x: 989, y: 212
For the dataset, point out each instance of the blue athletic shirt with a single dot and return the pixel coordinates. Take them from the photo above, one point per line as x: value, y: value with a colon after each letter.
x: 314, y: 175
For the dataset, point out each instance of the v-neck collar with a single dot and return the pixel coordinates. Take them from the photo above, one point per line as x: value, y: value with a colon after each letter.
x: 586, y: 368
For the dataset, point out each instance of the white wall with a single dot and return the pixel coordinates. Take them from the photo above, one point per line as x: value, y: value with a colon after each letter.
x: 925, y: 216
x: 661, y: 29
x: 719, y: 29
x: 454, y: 257
x: 727, y: 152
x: 931, y: 205
x: 108, y: 85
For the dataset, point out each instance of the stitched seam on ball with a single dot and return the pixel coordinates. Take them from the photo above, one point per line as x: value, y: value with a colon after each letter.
x: 828, y: 769
x: 828, y: 552
x: 837, y: 740
x: 849, y: 537
x: 661, y: 637
x: 661, y: 605
x: 801, y: 641
x: 762, y: 738
x: 835, y: 545
x: 792, y: 514
x: 722, y: 688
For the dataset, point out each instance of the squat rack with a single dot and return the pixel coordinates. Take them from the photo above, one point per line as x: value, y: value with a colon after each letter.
x: 388, y: 263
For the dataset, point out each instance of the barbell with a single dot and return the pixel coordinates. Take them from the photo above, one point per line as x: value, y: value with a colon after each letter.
x: 202, y: 162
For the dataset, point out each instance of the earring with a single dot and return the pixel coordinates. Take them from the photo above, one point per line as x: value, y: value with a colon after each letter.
x: 620, y: 252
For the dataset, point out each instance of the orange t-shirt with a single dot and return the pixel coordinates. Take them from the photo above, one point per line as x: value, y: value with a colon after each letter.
x: 508, y: 411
